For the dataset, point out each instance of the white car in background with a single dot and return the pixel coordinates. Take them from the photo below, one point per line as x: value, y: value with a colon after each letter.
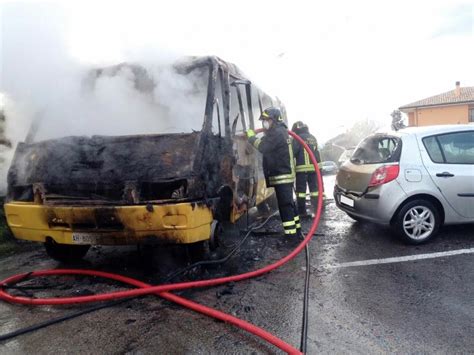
x: 414, y: 180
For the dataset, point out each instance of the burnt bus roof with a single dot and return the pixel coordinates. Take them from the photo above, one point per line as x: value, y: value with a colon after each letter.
x: 145, y: 83
x: 193, y: 62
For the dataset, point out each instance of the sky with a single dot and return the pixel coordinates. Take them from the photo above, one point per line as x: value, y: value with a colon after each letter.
x: 331, y: 62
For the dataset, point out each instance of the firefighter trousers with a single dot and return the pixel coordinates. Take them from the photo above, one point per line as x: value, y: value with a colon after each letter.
x: 304, y: 179
x: 288, y: 211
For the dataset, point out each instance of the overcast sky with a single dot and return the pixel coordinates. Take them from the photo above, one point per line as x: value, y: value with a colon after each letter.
x: 331, y: 62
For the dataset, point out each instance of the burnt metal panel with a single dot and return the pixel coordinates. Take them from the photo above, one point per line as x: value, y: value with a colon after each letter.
x: 106, y: 167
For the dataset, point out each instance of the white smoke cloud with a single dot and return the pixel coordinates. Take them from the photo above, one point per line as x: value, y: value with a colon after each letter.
x: 113, y: 105
x: 43, y: 83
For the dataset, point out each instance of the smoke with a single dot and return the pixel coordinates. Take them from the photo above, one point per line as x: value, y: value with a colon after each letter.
x: 42, y: 83
x: 124, y: 101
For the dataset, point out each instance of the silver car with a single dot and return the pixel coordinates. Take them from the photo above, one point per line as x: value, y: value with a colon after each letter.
x: 414, y: 180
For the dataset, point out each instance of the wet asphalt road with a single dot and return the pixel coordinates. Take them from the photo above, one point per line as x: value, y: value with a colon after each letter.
x: 422, y: 306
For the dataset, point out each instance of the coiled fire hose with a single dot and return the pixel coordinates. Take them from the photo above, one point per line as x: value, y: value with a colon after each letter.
x: 164, y: 291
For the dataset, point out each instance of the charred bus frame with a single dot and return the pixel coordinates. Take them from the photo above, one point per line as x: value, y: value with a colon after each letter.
x: 154, y: 199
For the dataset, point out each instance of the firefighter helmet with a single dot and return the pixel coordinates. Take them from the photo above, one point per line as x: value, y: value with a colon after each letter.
x: 299, y: 127
x: 272, y: 113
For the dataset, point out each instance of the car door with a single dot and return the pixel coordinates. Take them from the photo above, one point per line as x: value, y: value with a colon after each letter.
x: 449, y: 159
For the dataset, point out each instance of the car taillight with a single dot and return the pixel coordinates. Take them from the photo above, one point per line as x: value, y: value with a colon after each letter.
x: 384, y: 174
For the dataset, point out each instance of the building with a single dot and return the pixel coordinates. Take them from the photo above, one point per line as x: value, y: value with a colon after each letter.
x: 451, y: 107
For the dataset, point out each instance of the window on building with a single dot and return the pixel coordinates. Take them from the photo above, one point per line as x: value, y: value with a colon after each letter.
x: 471, y: 114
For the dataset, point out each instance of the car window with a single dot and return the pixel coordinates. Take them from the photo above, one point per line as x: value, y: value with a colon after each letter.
x: 377, y: 149
x: 455, y: 148
x: 433, y: 149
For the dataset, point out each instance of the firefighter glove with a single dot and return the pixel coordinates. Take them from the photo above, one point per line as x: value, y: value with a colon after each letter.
x: 250, y: 133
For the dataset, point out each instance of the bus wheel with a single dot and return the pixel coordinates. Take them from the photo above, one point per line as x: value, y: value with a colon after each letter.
x: 65, y: 253
x: 216, y: 233
x: 198, y: 251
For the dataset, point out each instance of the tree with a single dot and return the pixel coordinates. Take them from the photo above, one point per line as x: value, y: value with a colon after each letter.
x: 334, y: 147
x: 397, y: 120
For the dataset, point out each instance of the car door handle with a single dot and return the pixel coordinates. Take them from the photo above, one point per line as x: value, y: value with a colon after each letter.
x: 445, y: 174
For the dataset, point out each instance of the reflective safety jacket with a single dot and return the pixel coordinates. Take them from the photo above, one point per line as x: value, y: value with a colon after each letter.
x: 303, y: 162
x: 278, y: 163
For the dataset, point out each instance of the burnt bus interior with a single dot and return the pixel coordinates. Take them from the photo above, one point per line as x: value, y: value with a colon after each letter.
x: 214, y: 165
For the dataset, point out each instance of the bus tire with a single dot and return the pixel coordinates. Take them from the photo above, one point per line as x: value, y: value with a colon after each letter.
x: 65, y: 253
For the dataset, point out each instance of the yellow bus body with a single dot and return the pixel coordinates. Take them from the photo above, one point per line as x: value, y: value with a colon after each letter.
x: 179, y: 223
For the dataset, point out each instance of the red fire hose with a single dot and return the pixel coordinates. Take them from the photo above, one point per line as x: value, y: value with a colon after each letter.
x: 164, y: 291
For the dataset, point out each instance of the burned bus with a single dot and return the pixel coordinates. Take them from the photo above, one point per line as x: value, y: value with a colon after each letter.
x: 174, y: 183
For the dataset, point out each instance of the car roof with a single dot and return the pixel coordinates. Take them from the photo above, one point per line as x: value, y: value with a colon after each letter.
x: 430, y: 130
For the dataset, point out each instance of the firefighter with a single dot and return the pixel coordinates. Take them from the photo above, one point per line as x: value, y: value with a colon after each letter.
x: 278, y: 166
x: 305, y: 172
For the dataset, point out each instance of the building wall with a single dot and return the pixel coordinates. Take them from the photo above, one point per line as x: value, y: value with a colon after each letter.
x: 439, y: 115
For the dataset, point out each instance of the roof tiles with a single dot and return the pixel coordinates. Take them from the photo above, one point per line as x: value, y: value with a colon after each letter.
x: 466, y: 95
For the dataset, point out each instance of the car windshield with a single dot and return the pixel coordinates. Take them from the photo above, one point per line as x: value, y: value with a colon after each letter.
x: 376, y: 149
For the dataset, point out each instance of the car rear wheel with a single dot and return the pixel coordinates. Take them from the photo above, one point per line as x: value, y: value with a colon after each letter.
x: 65, y: 253
x: 417, y: 222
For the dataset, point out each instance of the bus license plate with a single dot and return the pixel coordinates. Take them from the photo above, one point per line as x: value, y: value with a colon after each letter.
x: 347, y: 201
x: 85, y: 238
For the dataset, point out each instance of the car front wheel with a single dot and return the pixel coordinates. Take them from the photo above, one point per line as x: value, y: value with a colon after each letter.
x: 417, y: 222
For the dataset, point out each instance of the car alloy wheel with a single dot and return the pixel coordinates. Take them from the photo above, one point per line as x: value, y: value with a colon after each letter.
x: 419, y: 222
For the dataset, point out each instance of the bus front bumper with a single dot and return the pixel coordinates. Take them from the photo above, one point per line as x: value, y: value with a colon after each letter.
x: 180, y: 223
